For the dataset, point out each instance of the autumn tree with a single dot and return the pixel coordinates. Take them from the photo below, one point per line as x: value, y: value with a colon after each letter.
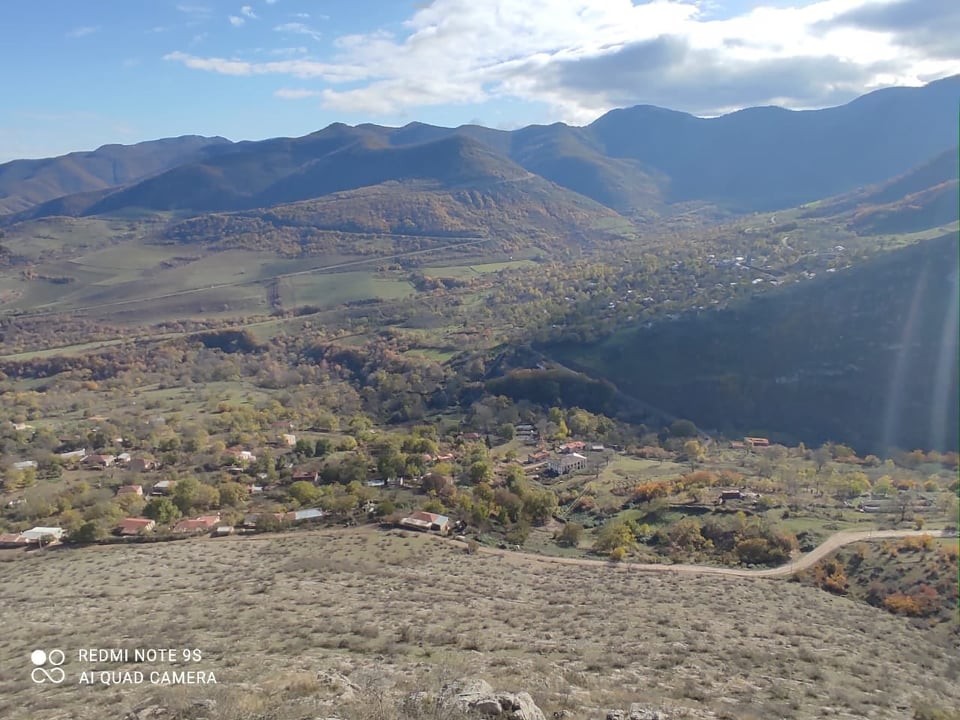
x: 570, y: 535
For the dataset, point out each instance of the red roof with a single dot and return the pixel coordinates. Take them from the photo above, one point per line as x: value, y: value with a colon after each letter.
x: 204, y: 522
x: 134, y: 526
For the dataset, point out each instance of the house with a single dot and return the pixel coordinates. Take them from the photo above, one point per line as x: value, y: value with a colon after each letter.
x: 427, y: 522
x: 537, y: 457
x: 123, y: 458
x: 243, y: 456
x: 74, y: 455
x: 98, y: 461
x: 472, y: 436
x: 757, y: 441
x: 129, y: 527
x: 596, y: 448
x: 737, y: 445
x: 730, y: 495
x: 306, y: 515
x: 222, y: 530
x: 197, y: 524
x: 136, y: 490
x: 25, y: 465
x: 524, y: 428
x: 141, y: 464
x: 164, y: 487
x: 42, y: 535
x: 446, y: 457
x: 12, y: 540
x: 573, y: 446
x: 305, y: 475
x: 567, y: 464
x: 288, y: 439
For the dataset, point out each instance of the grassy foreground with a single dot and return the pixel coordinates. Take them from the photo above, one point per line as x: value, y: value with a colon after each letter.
x: 282, y: 620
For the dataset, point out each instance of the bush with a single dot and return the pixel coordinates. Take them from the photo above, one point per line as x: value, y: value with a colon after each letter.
x: 570, y: 535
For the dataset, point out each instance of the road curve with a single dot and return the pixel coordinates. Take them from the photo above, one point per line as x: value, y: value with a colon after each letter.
x: 797, y: 564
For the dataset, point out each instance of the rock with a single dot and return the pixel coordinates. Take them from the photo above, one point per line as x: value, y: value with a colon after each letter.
x: 487, y: 706
x: 464, y: 694
x: 616, y: 715
x: 148, y: 712
x: 645, y: 712
x: 478, y: 697
x: 519, y: 706
x: 338, y: 684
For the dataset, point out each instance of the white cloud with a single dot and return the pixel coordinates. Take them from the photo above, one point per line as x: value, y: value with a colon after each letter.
x: 236, y: 21
x: 303, y: 69
x: 247, y: 11
x: 298, y: 29
x: 83, y: 31
x: 582, y: 57
x: 296, y: 93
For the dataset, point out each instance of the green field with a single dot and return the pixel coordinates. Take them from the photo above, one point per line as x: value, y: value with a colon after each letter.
x: 327, y: 290
x: 468, y: 271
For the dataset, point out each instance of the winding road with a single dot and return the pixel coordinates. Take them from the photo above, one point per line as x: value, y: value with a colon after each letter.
x: 799, y: 563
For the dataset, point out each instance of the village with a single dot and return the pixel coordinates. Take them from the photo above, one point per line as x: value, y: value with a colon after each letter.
x: 526, y: 486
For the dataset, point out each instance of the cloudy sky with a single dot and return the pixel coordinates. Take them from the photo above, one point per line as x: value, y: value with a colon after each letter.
x: 82, y: 73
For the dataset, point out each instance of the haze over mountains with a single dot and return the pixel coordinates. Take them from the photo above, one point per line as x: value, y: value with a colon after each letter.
x: 631, y: 161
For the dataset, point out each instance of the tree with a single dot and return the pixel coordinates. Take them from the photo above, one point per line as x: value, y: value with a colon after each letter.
x: 539, y: 505
x: 435, y: 484
x: 480, y: 471
x: 821, y: 456
x: 614, y: 534
x: 683, y: 429
x: 305, y: 493
x: 233, y: 494
x: 162, y: 510
x: 89, y: 532
x: 694, y: 452
x: 323, y: 447
x: 570, y: 535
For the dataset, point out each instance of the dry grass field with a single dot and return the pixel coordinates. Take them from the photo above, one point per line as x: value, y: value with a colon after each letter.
x: 282, y: 620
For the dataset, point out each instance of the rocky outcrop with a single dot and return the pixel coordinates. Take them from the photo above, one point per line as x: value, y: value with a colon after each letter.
x: 477, y: 697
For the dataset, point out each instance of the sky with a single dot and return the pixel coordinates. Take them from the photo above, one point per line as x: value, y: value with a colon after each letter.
x: 78, y: 74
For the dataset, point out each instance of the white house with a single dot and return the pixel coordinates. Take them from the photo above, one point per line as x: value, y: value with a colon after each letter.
x: 568, y: 463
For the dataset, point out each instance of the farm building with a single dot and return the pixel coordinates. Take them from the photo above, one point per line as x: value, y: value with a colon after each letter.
x: 567, y: 464
x: 142, y: 464
x: 164, y: 487
x: 136, y: 490
x: 197, y: 524
x: 98, y: 461
x: 129, y: 527
x: 427, y: 522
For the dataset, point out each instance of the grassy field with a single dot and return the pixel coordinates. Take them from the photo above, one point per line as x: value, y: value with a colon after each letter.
x: 336, y: 288
x: 276, y: 618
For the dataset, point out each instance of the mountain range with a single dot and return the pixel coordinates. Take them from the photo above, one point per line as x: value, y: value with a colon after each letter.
x: 631, y: 162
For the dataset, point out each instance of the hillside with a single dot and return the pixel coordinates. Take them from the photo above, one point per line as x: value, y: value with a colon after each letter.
x: 866, y: 356
x: 634, y: 161
x: 923, y: 198
x: 25, y: 183
x: 770, y: 158
x: 354, y: 622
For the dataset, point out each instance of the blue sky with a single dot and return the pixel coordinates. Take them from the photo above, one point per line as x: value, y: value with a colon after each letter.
x: 82, y: 73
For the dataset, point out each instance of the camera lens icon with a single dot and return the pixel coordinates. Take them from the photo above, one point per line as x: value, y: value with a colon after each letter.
x: 43, y: 658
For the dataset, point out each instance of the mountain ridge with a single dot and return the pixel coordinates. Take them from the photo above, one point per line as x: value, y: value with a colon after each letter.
x: 635, y: 161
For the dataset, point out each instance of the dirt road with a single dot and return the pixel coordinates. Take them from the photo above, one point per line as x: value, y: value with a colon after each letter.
x: 799, y: 563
